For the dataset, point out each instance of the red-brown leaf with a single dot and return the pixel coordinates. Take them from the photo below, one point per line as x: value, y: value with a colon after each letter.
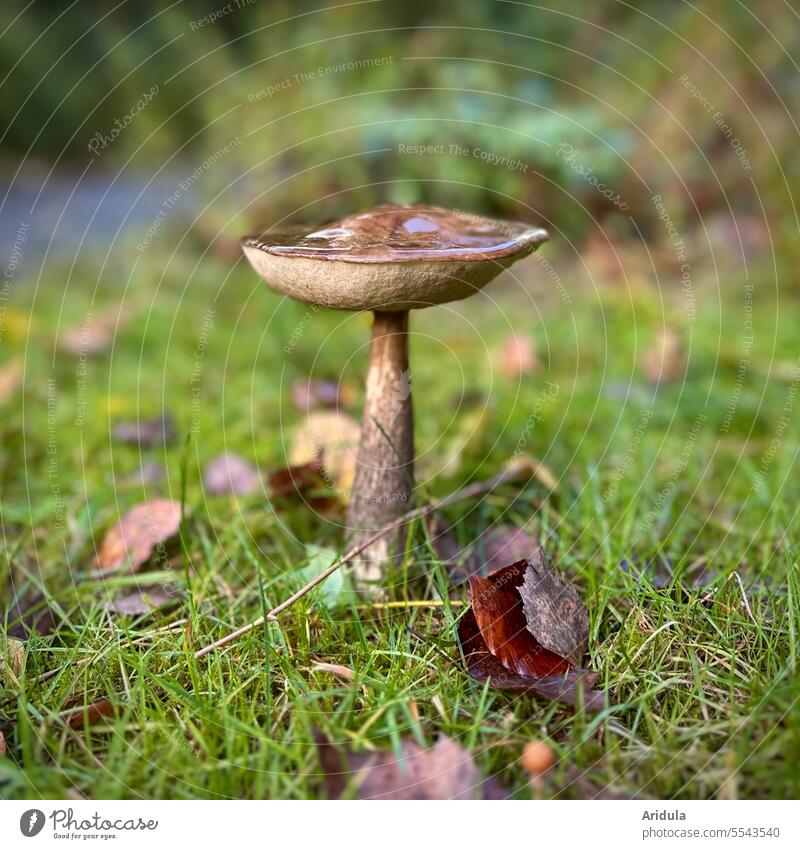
x: 498, y: 611
x: 133, y: 539
x: 574, y: 688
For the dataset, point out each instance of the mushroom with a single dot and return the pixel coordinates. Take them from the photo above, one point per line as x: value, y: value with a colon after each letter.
x: 389, y: 260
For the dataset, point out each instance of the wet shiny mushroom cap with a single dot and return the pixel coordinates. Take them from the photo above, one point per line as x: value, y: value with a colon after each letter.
x: 391, y: 257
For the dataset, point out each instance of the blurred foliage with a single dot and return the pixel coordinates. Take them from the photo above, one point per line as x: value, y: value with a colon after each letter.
x: 507, y: 78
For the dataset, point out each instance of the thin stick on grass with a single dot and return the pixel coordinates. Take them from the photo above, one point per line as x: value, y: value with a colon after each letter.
x: 477, y: 488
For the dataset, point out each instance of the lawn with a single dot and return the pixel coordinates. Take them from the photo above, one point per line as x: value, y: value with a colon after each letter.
x: 673, y: 513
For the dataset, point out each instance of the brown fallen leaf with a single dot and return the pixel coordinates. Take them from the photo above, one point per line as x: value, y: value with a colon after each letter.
x: 11, y: 378
x: 555, y: 614
x: 343, y: 672
x: 444, y: 771
x: 3, y: 747
x: 90, y: 714
x: 664, y: 360
x: 141, y: 530
x: 306, y: 483
x: 143, y: 600
x: 329, y: 438
x: 311, y: 393
x: 231, y: 474
x: 575, y: 687
x: 499, y: 614
x: 147, y: 433
x: 518, y: 358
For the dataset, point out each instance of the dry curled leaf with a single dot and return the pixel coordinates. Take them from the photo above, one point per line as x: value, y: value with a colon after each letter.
x: 528, y: 649
x: 575, y: 687
x: 231, y: 474
x: 554, y: 613
x: 133, y: 539
x: 143, y: 600
x: 90, y: 714
x: 444, y: 771
x: 499, y: 614
x: 147, y: 433
x: 3, y: 747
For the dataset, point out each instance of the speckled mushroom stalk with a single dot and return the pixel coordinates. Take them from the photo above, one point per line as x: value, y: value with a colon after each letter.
x: 384, y: 480
x: 388, y: 260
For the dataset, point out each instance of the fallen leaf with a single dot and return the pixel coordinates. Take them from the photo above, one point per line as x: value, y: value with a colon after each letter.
x: 664, y: 361
x: 343, y: 672
x: 133, y: 539
x: 143, y: 600
x: 90, y: 714
x: 575, y: 687
x: 231, y: 474
x: 518, y: 357
x: 14, y: 656
x: 329, y: 438
x: 147, y: 433
x: 11, y: 378
x: 499, y: 614
x: 310, y: 393
x: 3, y: 748
x: 444, y: 771
x: 306, y: 483
x: 555, y: 614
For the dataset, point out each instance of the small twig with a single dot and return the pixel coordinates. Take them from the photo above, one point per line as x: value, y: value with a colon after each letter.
x: 478, y: 488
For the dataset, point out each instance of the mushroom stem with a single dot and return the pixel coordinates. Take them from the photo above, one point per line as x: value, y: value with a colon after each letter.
x: 384, y: 478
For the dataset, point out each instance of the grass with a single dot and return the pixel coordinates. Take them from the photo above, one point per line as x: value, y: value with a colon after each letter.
x: 702, y: 678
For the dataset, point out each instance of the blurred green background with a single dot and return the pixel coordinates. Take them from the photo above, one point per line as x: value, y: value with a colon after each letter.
x: 321, y: 104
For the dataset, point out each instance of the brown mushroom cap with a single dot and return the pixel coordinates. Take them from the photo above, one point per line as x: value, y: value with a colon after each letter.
x: 391, y: 257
